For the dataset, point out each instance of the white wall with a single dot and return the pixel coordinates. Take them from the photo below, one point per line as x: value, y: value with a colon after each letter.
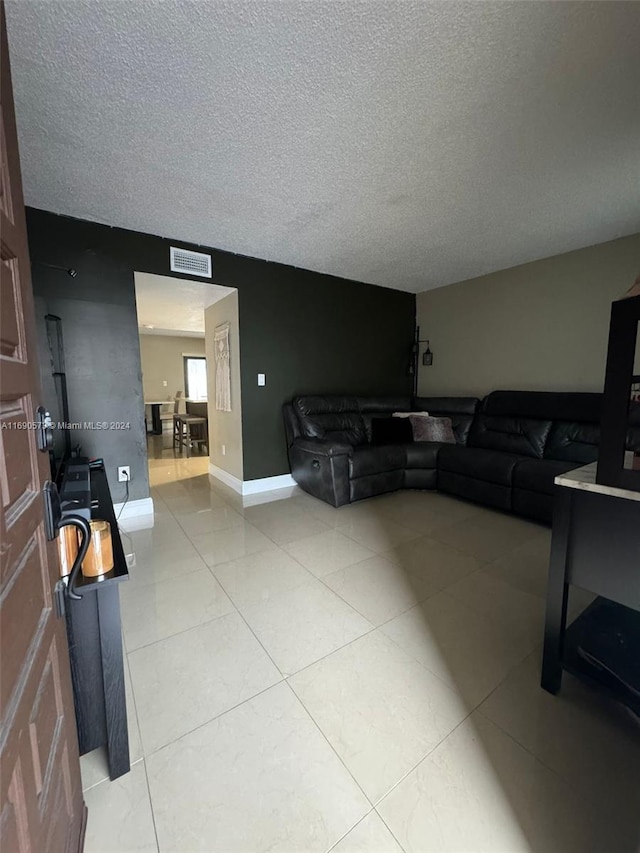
x: 538, y: 326
x: 162, y: 360
x: 225, y: 428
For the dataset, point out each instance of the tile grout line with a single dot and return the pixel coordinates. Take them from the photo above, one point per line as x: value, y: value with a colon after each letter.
x: 153, y: 812
x: 374, y: 627
x: 154, y: 752
x: 566, y: 781
x: 374, y: 808
x: 419, y: 762
x: 332, y: 748
x: 393, y: 835
x: 235, y: 608
x: 351, y: 828
x: 311, y: 577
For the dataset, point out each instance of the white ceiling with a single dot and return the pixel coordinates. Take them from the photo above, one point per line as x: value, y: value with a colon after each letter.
x: 174, y: 306
x: 406, y: 144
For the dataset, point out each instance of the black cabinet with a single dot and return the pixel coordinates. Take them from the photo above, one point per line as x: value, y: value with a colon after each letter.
x: 95, y: 648
x: 596, y: 546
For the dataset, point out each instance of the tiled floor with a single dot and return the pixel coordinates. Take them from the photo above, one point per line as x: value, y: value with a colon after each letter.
x: 303, y: 678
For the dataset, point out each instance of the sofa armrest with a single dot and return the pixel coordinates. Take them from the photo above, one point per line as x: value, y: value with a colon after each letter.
x: 319, y: 447
x: 321, y: 468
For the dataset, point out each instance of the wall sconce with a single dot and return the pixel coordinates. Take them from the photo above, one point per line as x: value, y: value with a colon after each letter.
x: 73, y: 273
x: 427, y: 358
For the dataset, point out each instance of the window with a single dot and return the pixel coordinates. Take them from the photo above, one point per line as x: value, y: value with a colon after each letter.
x: 195, y: 377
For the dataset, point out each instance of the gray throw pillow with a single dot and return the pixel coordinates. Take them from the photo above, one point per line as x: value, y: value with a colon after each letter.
x: 433, y: 429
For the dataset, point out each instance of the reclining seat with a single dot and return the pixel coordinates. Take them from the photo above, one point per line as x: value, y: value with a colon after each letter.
x: 330, y: 450
x: 501, y: 437
x: 322, y: 432
x: 572, y: 442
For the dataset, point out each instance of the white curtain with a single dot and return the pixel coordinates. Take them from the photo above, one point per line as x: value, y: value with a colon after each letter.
x: 223, y: 368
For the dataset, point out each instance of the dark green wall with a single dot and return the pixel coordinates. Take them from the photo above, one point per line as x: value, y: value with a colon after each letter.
x: 307, y: 331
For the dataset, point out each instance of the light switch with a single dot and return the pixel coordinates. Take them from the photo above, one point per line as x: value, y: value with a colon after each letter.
x: 262, y: 379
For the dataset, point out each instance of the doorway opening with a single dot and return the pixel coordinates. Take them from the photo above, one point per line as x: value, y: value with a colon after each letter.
x: 175, y: 321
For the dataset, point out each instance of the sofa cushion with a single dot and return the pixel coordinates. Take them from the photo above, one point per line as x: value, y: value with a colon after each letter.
x: 371, y: 459
x: 375, y: 484
x: 390, y: 431
x: 480, y: 491
x: 460, y: 409
x: 432, y: 429
x: 537, y: 475
x: 493, y: 466
x: 331, y: 418
x: 523, y: 436
x: 422, y: 454
x: 572, y: 441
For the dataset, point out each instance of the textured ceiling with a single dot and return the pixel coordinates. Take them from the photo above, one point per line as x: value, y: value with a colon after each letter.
x: 399, y: 143
x: 173, y: 306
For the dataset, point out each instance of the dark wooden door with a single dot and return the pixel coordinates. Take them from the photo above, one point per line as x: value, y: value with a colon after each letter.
x: 42, y: 805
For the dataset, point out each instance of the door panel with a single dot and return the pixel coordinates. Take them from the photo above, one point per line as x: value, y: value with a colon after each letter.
x: 42, y: 806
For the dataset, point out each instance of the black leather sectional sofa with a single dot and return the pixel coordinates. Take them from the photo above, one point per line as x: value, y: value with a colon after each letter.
x: 509, y: 447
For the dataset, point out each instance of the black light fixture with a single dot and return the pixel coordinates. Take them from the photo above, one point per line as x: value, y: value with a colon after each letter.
x: 427, y: 358
x: 69, y: 270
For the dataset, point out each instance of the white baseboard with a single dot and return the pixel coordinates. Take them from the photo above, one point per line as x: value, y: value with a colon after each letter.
x: 226, y: 478
x: 267, y: 484
x: 134, y: 509
x: 252, y: 487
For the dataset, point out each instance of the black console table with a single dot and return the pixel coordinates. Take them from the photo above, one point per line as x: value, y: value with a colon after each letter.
x: 596, y: 546
x: 95, y: 647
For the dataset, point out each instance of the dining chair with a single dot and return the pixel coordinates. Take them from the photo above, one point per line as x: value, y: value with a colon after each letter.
x: 182, y: 425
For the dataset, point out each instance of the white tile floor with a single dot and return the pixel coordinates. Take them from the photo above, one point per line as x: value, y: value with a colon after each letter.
x: 302, y: 678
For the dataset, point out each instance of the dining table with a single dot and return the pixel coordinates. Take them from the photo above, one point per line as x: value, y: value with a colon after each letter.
x: 156, y: 421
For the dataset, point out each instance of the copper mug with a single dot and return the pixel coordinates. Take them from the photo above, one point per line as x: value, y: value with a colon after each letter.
x: 72, y: 549
x: 96, y: 558
x: 99, y: 559
x: 67, y: 548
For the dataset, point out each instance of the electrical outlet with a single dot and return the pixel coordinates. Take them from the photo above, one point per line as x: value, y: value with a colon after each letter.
x: 224, y: 449
x: 124, y: 474
x: 164, y: 383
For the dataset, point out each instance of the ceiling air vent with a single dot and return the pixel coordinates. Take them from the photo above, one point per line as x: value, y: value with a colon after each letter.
x: 190, y: 263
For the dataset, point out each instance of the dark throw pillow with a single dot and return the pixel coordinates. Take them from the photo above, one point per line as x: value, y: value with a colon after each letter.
x: 391, y: 431
x: 433, y: 429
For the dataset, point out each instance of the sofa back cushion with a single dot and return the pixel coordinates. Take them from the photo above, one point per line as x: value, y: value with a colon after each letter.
x: 545, y: 405
x: 575, y: 417
x: 460, y: 409
x: 372, y: 408
x: 333, y: 418
x: 571, y: 441
x: 524, y: 436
